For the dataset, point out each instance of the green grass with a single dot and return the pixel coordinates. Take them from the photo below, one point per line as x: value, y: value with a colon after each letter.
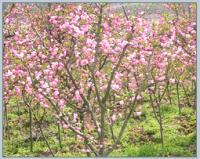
x: 141, y: 138
x: 175, y: 143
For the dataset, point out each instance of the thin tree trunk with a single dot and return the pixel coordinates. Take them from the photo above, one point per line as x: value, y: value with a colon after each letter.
x: 186, y: 95
x: 178, y: 96
x: 101, y: 152
x: 112, y: 133
x: 82, y: 130
x: 6, y: 130
x: 47, y: 143
x: 169, y: 95
x: 18, y: 111
x: 30, y: 130
x: 158, y: 118
x: 195, y: 94
x: 39, y: 123
x: 123, y: 127
x: 161, y: 127
x: 59, y: 136
x: 111, y: 124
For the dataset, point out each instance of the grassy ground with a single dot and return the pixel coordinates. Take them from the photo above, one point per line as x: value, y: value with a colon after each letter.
x: 141, y: 138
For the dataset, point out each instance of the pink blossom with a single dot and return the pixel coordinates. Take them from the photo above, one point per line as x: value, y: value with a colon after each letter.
x: 54, y: 51
x: 66, y: 126
x: 79, y: 7
x: 9, y: 73
x: 77, y: 96
x: 85, y: 28
x: 7, y: 20
x: 58, y: 8
x: 132, y: 85
x: 53, y: 83
x: 29, y: 89
x: 60, y: 66
x: 80, y: 138
x: 123, y: 43
x: 115, y: 87
x: 139, y: 97
x: 178, y: 50
x: 62, y: 103
x: 113, y: 59
x: 18, y: 90
x: 89, y: 84
x: 162, y: 78
x: 29, y: 80
x: 121, y: 102
x: 45, y: 85
x: 65, y: 25
x: 86, y: 150
x: 48, y: 90
x: 98, y: 73
x: 91, y: 43
x: 54, y: 65
x: 194, y: 78
x: 37, y: 75
x: 83, y: 62
x: 45, y: 105
x: 56, y: 93
x: 172, y: 80
x: 103, y: 87
x: 75, y: 117
x: 113, y: 118
x: 137, y: 114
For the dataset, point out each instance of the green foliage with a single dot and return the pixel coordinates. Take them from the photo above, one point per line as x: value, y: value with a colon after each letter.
x: 175, y: 143
x: 141, y: 138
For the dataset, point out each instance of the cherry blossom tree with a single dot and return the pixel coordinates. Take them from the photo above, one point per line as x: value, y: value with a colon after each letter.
x: 83, y: 65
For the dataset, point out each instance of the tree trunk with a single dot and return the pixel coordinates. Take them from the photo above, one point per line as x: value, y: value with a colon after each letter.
x: 5, y: 125
x: 178, y: 96
x: 30, y: 130
x: 59, y: 136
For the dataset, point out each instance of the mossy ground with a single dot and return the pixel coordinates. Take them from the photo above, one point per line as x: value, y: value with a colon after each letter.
x: 141, y: 138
